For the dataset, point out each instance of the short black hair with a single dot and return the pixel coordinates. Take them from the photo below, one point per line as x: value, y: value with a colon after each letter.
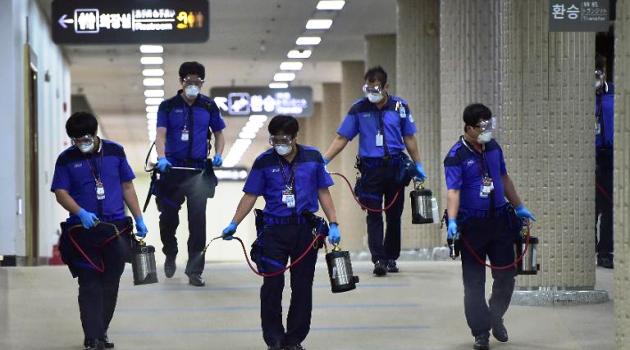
x: 193, y: 67
x: 474, y: 113
x: 376, y: 73
x: 283, y: 124
x: 81, y: 124
x: 600, y: 62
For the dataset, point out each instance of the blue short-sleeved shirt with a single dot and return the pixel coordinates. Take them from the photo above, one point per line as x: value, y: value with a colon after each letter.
x: 199, y: 119
x: 605, y: 113
x: 394, y: 122
x: 463, y: 167
x: 75, y: 172
x: 266, y: 179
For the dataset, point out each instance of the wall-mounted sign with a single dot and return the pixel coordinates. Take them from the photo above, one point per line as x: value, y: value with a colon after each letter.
x: 130, y: 21
x: 243, y: 101
x: 579, y: 16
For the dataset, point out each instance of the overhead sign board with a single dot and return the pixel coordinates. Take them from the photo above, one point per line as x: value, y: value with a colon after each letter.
x: 130, y: 21
x: 243, y: 101
x: 579, y: 15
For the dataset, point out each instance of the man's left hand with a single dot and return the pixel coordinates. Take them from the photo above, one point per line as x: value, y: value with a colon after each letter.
x: 420, y: 170
x: 217, y: 160
x: 524, y: 213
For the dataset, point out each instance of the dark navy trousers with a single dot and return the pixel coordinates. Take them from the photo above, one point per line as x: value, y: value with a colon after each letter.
x: 277, y: 244
x: 488, y: 237
x: 174, y: 187
x: 378, y: 181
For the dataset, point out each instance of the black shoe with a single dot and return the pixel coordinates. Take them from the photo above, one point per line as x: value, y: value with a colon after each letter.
x: 196, y: 280
x: 106, y: 343
x: 605, y: 261
x: 275, y: 348
x: 295, y: 347
x: 391, y: 266
x: 169, y: 266
x: 499, y: 331
x: 380, y: 268
x: 482, y: 342
x: 93, y: 344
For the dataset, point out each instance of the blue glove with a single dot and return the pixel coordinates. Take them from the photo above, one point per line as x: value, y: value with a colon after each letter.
x: 334, y: 236
x: 88, y: 220
x: 141, y: 227
x: 163, y: 164
x: 421, y: 175
x: 229, y: 231
x: 217, y: 160
x: 524, y: 213
x: 452, y: 229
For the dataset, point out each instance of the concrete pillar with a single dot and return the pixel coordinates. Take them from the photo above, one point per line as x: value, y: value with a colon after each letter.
x: 380, y: 50
x: 308, y: 127
x: 548, y: 141
x: 622, y: 175
x: 351, y: 217
x: 331, y: 108
x: 418, y: 82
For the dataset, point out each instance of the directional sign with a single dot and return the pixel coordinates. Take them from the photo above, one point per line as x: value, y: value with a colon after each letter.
x: 130, y: 21
x: 579, y: 15
x: 244, y: 101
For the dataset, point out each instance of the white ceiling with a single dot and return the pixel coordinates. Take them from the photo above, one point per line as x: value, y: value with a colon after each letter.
x: 248, y: 40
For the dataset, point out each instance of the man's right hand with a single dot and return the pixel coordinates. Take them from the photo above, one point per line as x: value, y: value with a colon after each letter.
x: 452, y: 229
x: 88, y: 220
x: 163, y: 164
x: 229, y: 231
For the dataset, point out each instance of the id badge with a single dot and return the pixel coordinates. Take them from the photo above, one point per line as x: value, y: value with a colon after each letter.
x: 379, y: 140
x: 288, y: 198
x: 486, y: 187
x: 100, y: 191
x: 185, y: 135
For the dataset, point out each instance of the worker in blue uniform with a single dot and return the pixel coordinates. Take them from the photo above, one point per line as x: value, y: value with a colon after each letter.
x: 185, y: 125
x: 484, y: 207
x: 292, y: 179
x: 93, y: 181
x: 604, y: 137
x: 386, y: 128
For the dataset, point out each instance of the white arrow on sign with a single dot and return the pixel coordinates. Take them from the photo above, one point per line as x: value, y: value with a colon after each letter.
x: 63, y: 21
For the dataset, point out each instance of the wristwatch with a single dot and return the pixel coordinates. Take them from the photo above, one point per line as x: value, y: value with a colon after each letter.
x: 333, y: 223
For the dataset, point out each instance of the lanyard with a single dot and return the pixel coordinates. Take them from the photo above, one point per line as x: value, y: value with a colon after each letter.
x: 483, y: 168
x: 95, y: 169
x: 289, y: 181
x: 381, y: 129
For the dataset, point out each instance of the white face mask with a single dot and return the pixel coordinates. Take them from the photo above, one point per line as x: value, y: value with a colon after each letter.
x: 191, y: 91
x: 484, y: 137
x: 86, y: 147
x: 283, y: 150
x: 374, y: 97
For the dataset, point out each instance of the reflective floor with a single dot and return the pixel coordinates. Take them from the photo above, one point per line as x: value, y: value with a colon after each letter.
x: 419, y: 308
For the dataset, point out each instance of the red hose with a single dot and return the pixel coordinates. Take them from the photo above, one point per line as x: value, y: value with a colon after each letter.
x: 76, y: 245
x: 374, y: 210
x: 279, y: 272
x: 505, y: 267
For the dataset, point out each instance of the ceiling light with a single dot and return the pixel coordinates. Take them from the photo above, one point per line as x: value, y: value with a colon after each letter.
x: 330, y: 4
x: 153, y: 101
x: 278, y: 85
x: 151, y: 60
x: 259, y: 117
x: 152, y: 116
x: 153, y: 93
x: 152, y: 109
x: 308, y: 40
x: 247, y: 135
x: 319, y: 23
x: 153, y: 82
x: 153, y: 72
x: 291, y: 65
x: 284, y: 76
x: 151, y: 48
x: 299, y: 54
